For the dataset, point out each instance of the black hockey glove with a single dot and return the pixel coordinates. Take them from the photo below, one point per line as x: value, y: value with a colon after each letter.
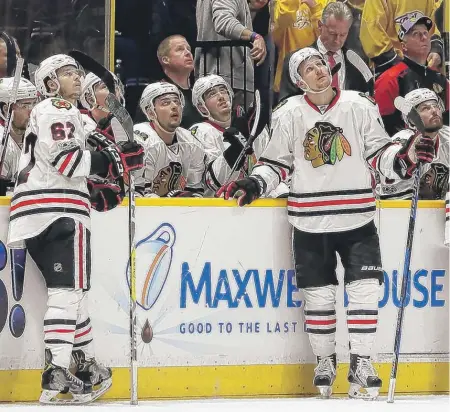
x: 237, y: 142
x: 247, y: 190
x: 105, y: 196
x: 97, y: 141
x: 124, y: 157
x: 417, y: 149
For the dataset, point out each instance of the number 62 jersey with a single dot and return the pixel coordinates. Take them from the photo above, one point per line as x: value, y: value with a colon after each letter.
x: 52, y: 171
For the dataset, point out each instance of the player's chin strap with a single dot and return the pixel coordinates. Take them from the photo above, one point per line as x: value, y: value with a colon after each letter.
x: 155, y: 121
x: 330, y: 72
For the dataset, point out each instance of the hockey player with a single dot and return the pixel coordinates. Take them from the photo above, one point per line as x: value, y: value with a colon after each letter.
x: 174, y: 160
x: 434, y: 180
x: 331, y: 139
x: 26, y: 100
x: 50, y: 215
x: 95, y: 114
x: 213, y: 98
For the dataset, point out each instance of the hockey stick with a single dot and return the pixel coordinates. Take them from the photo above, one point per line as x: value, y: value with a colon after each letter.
x: 406, y: 108
x: 9, y: 113
x: 122, y: 124
x: 252, y: 137
x: 362, y: 67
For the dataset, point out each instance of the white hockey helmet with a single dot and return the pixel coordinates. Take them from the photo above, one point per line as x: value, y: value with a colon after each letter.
x: 87, y: 90
x: 26, y: 90
x: 154, y: 90
x: 419, y: 96
x: 297, y: 59
x: 202, y: 85
x: 47, y: 69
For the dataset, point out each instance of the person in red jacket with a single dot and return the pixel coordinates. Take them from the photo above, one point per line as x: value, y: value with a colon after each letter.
x: 410, y: 74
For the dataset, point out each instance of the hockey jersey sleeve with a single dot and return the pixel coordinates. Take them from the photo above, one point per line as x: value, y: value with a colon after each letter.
x: 276, y: 161
x: 379, y: 149
x: 60, y: 135
x: 196, y: 171
x: 216, y: 169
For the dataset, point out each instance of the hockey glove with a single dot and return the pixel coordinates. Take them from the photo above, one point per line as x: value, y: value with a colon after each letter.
x: 183, y: 193
x: 237, y: 142
x: 97, y: 141
x: 417, y: 149
x: 247, y: 190
x: 105, y: 196
x: 124, y: 157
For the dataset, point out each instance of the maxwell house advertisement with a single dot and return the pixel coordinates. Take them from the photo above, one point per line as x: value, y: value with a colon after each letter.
x: 216, y: 286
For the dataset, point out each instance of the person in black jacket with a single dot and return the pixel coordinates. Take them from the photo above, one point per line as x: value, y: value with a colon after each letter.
x: 334, y: 27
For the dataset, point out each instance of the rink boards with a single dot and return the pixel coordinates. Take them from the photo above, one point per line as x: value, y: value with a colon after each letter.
x: 219, y: 313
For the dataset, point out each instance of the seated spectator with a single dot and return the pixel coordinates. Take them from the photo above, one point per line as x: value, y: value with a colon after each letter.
x: 411, y: 73
x: 174, y: 55
x: 434, y: 178
x: 334, y: 27
x: 26, y: 100
x: 228, y: 20
x: 379, y: 34
x: 174, y: 160
x: 95, y: 115
x: 213, y: 98
x: 295, y: 26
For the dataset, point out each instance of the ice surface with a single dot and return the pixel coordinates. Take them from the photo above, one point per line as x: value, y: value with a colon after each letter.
x: 401, y: 404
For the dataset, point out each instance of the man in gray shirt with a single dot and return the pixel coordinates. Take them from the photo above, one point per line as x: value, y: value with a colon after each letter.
x: 228, y: 20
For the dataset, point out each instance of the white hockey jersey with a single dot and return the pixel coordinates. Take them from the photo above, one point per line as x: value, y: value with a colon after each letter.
x: 434, y: 178
x: 210, y: 137
x: 53, y: 167
x: 89, y: 123
x: 179, y: 166
x: 12, y: 155
x: 330, y: 154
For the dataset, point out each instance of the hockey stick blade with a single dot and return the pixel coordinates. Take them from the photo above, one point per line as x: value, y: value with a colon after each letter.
x: 121, y: 116
x: 359, y: 63
x: 410, y: 112
x: 92, y: 65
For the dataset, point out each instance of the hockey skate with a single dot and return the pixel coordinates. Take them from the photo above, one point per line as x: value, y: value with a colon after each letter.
x: 363, y: 378
x: 325, y: 374
x: 57, y: 380
x: 92, y: 373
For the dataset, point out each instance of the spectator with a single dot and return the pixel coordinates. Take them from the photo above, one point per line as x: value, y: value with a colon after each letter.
x: 379, y: 32
x: 411, y: 73
x: 334, y: 28
x: 229, y: 20
x: 174, y: 55
x: 295, y: 27
x: 434, y: 177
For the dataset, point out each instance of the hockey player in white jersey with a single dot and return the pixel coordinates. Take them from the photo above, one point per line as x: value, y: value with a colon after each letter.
x: 174, y: 160
x: 213, y: 98
x: 435, y: 175
x: 95, y: 114
x: 331, y: 139
x: 26, y: 100
x: 50, y: 215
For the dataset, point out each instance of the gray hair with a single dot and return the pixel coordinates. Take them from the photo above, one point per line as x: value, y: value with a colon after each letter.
x: 339, y: 10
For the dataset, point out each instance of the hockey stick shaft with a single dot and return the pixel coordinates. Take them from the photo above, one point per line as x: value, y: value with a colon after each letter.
x: 405, y: 282
x: 126, y: 125
x: 252, y: 137
x: 9, y: 114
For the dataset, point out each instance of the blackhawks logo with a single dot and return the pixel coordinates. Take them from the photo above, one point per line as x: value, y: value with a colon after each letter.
x: 169, y: 178
x: 325, y: 144
x: 61, y: 104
